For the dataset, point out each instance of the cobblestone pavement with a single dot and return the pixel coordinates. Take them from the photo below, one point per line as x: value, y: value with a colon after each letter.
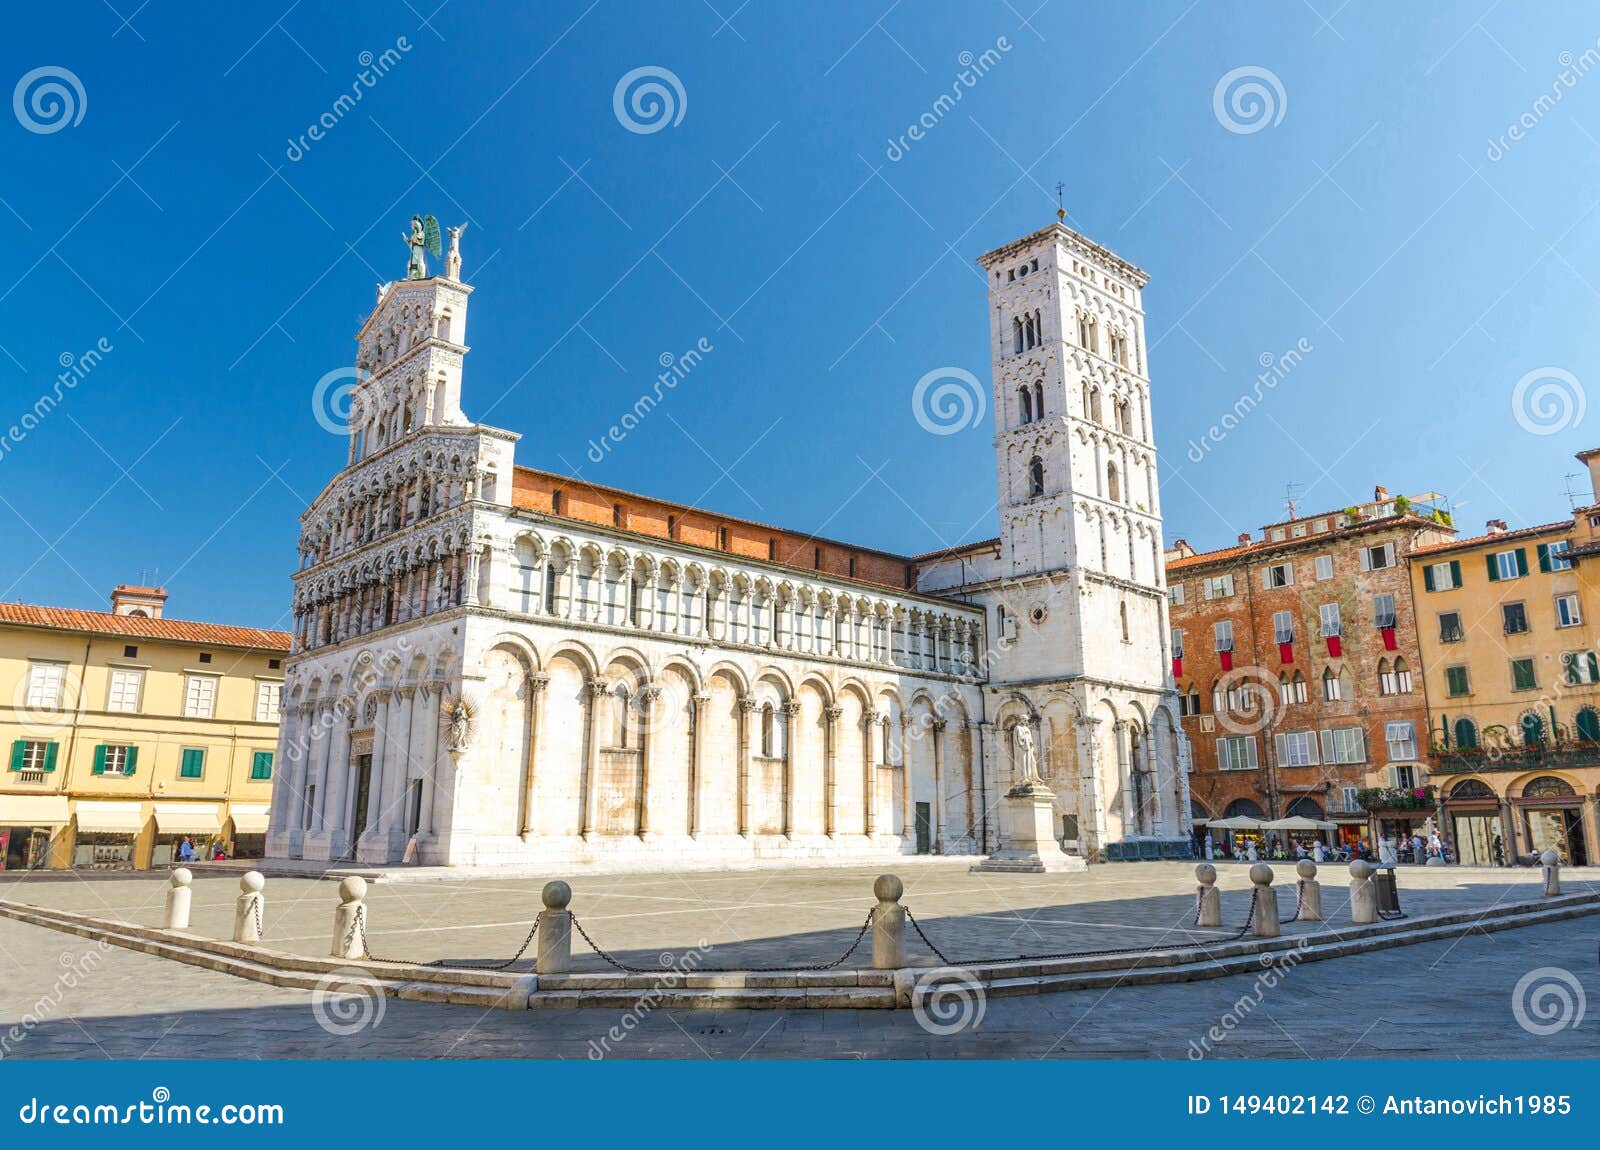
x: 1444, y: 999
x: 782, y: 916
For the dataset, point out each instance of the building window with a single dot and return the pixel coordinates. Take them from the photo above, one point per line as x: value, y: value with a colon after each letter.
x: 1237, y: 754
x: 1283, y: 626
x: 1567, y: 612
x: 1332, y: 623
x: 261, y: 765
x: 1292, y: 690
x: 1394, y: 678
x: 46, y: 682
x: 1457, y: 682
x: 1332, y: 688
x: 1035, y: 477
x: 191, y: 763
x: 1175, y: 593
x: 1581, y: 667
x: 126, y: 688
x: 1402, y: 739
x: 269, y: 702
x: 1450, y: 627
x: 1219, y: 587
x: 1383, y: 612
x: 1377, y: 558
x: 200, y: 697
x: 1281, y: 575
x: 1323, y: 567
x: 1347, y: 799
x: 1522, y: 675
x: 1297, y: 749
x: 1532, y: 731
x: 1553, y: 556
x: 1507, y: 564
x: 31, y: 755
x: 1177, y: 642
x: 767, y: 731
x: 115, y: 760
x: 1466, y: 734
x: 1222, y: 634
x: 1442, y: 576
x: 1344, y: 745
x: 1403, y: 777
x: 1515, y: 618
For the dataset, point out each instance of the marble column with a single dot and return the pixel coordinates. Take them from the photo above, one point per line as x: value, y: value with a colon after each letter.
x: 537, y: 685
x: 599, y: 692
x: 907, y: 804
x: 747, y: 707
x: 937, y: 831
x: 830, y: 771
x: 397, y: 771
x: 697, y: 758
x: 650, y: 713
x: 791, y: 721
x: 869, y: 767
x: 375, y: 782
x: 435, y: 756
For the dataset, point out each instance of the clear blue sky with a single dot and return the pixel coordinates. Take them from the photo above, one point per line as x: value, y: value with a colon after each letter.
x: 1369, y: 220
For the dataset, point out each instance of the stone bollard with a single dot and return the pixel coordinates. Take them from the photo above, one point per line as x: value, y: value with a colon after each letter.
x: 1363, y: 893
x: 179, y: 896
x: 1264, y: 921
x: 249, y: 911
x: 555, y: 930
x: 1310, y: 892
x: 349, y: 919
x: 888, y: 924
x: 1552, y: 873
x: 1208, y: 898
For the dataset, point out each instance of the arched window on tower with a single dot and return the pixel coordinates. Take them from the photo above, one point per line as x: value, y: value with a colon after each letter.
x: 1035, y: 477
x: 1122, y: 610
x: 1094, y: 404
x: 1038, y: 400
x: 1016, y: 334
x: 1113, y: 483
x: 1025, y: 404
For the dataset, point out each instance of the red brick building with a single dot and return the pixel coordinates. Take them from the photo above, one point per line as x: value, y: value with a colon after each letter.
x: 1297, y: 659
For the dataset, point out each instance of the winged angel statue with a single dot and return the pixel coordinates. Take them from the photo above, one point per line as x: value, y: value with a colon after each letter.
x: 424, y: 238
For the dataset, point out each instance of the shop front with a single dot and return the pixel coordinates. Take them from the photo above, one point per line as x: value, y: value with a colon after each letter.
x: 1552, y: 814
x: 1473, y: 815
x: 108, y: 835
x: 30, y: 826
x: 249, y: 830
x: 200, y: 823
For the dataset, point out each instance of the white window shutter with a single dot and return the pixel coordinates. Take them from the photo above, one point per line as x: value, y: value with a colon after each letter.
x: 1250, y: 747
x: 1281, y: 743
x: 1361, y: 743
x: 1366, y: 560
x: 1311, y: 747
x: 1388, y: 554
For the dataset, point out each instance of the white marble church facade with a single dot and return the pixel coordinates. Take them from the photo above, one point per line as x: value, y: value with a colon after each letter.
x: 483, y: 677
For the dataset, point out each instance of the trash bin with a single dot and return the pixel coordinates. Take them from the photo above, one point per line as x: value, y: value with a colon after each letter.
x: 1388, y: 896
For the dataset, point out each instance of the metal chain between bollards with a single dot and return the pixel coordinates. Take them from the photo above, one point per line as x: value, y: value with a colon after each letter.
x: 612, y: 960
x: 1249, y: 921
x: 255, y: 906
x: 358, y: 928
x: 1299, y: 902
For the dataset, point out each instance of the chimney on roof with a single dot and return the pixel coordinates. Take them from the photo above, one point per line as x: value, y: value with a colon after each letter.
x: 1244, y: 539
x: 1497, y: 526
x: 1380, y: 493
x: 145, y: 602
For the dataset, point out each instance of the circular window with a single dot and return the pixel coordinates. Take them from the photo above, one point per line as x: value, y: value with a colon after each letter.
x: 1038, y: 614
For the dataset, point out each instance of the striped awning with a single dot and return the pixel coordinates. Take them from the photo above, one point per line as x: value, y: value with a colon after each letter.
x: 188, y: 818
x: 250, y: 818
x: 34, y: 811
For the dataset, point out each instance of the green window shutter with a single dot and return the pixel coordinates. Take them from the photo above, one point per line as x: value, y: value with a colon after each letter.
x: 1594, y: 670
x: 1494, y: 570
x: 100, y: 759
x: 18, y: 749
x: 1522, y: 560
x: 1544, y: 557
x: 133, y: 761
x: 261, y: 767
x: 194, y: 761
x: 1571, y: 661
x: 1427, y: 579
x: 1455, y: 572
x: 50, y: 750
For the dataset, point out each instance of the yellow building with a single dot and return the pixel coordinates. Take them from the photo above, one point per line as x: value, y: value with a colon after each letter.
x: 125, y: 732
x: 1511, y: 669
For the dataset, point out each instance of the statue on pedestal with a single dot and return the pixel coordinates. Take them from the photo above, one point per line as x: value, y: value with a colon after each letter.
x: 424, y: 237
x: 1027, y: 756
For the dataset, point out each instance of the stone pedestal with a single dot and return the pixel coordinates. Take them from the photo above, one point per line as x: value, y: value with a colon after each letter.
x: 1031, y: 846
